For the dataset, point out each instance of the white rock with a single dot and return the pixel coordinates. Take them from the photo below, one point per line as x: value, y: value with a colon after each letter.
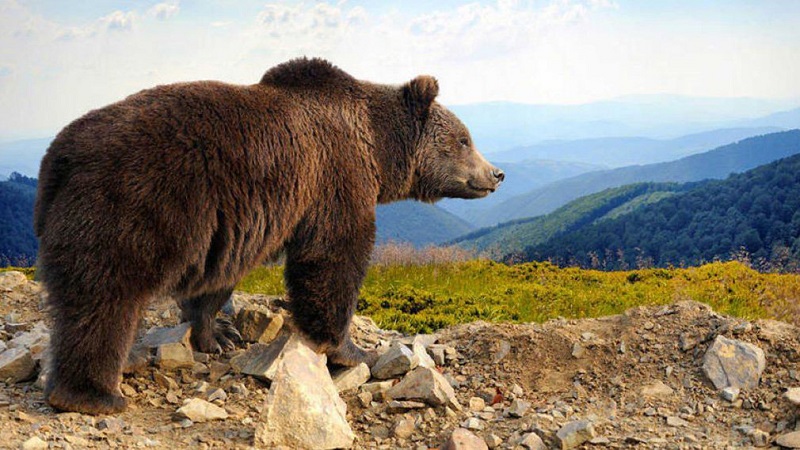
x: 303, y: 408
x: 199, y: 410
x: 351, y: 378
x: 793, y: 395
x: 789, y: 440
x: 729, y: 362
x: 656, y: 390
x: 174, y: 356
x: 11, y: 280
x: 425, y: 385
x: 34, y: 443
x: 462, y: 439
x: 395, y: 362
x: 532, y: 441
x: 730, y: 393
x: 574, y: 434
x: 476, y: 404
x: 422, y: 356
x: 261, y: 360
x: 674, y: 421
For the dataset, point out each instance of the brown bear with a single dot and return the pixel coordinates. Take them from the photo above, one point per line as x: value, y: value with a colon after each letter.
x: 182, y: 189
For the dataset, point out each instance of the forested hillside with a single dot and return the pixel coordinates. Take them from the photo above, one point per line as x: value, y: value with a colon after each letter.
x: 715, y: 164
x: 756, y: 212
x: 17, y: 242
x: 512, y: 236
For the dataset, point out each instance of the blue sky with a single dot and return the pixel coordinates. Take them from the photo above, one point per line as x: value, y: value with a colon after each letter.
x: 59, y: 59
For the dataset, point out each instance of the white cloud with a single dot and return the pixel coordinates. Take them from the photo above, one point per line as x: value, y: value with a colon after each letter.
x: 164, y: 11
x: 119, y: 20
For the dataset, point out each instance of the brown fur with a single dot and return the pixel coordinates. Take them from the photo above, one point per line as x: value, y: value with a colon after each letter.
x: 182, y: 189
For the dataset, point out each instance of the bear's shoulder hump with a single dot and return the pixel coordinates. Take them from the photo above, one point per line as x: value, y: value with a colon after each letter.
x: 307, y: 73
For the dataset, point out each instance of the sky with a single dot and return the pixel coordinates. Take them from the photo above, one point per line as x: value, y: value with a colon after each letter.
x: 60, y: 59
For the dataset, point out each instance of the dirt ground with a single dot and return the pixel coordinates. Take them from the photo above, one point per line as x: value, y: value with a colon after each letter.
x: 567, y: 370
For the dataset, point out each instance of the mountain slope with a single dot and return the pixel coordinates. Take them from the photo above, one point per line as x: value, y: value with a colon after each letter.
x: 626, y: 151
x: 417, y: 223
x: 715, y: 164
x: 18, y: 244
x: 757, y: 211
x: 511, y: 237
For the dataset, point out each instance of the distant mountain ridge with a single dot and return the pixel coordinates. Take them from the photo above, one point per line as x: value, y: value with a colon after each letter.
x: 757, y: 212
x: 417, y: 223
x: 512, y: 237
x: 714, y: 164
x: 18, y: 244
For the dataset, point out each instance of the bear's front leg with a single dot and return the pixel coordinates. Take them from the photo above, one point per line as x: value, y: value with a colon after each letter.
x: 323, y: 275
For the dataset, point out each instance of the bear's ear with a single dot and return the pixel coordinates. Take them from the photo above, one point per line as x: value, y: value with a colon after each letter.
x: 420, y: 92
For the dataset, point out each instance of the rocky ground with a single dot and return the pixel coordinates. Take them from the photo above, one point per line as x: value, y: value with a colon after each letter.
x: 678, y: 376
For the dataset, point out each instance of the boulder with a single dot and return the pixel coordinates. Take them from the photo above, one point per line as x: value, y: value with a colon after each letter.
x: 733, y: 363
x: 574, y: 434
x: 199, y: 410
x: 462, y: 439
x: 303, y: 409
x: 261, y: 360
x: 258, y: 324
x: 351, y: 378
x: 17, y: 364
x: 395, y: 362
x: 426, y: 385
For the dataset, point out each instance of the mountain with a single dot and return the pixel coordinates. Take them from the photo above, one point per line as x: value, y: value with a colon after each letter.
x: 18, y: 243
x: 627, y: 151
x: 513, y: 236
x: 498, y: 126
x: 22, y: 156
x: 417, y: 223
x: 714, y: 164
x: 757, y: 212
x: 521, y: 177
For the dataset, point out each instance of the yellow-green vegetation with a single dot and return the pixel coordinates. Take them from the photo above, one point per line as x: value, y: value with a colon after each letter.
x: 28, y: 271
x: 422, y: 298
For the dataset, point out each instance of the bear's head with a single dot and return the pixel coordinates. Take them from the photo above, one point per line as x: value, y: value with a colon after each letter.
x: 447, y: 164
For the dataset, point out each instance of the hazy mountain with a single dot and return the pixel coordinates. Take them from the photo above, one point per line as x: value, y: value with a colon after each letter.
x: 417, y: 223
x: 718, y: 163
x: 521, y: 177
x: 627, y: 151
x: 513, y: 236
x: 757, y: 211
x: 18, y: 243
x: 501, y: 126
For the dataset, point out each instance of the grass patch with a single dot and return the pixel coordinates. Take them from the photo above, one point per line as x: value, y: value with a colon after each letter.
x: 423, y: 298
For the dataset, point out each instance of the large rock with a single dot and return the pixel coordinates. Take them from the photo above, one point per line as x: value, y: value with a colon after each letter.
x: 427, y: 385
x: 258, y: 324
x: 789, y: 440
x: 351, y: 378
x: 574, y: 434
x: 261, y: 360
x: 395, y: 362
x: 733, y: 363
x: 303, y: 408
x: 462, y: 439
x: 199, y: 410
x: 656, y: 390
x: 17, y: 364
x: 793, y: 395
x: 172, y: 346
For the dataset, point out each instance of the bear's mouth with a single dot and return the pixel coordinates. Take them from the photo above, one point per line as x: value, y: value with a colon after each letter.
x: 481, y: 189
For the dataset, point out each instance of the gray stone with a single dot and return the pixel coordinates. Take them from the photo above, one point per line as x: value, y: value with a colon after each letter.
x: 789, y: 440
x: 493, y: 441
x: 258, y: 324
x: 504, y: 348
x: 261, y: 360
x: 36, y: 340
x: 793, y: 395
x: 574, y: 434
x: 199, y: 410
x: 111, y: 425
x: 532, y: 441
x: 730, y: 393
x: 216, y: 394
x: 395, y: 362
x: 425, y: 385
x: 577, y: 350
x: 517, y: 408
x: 473, y: 423
x: 156, y: 336
x: 303, y: 408
x: 462, y: 439
x: 734, y: 363
x: 399, y: 406
x: 656, y: 390
x: 17, y: 364
x: 436, y: 352
x: 351, y: 378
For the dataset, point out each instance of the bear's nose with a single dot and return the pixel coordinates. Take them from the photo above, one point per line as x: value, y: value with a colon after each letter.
x: 499, y: 175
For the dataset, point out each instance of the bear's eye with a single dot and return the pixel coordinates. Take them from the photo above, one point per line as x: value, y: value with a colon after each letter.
x: 464, y: 141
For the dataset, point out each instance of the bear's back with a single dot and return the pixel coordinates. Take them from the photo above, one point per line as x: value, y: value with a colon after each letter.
x: 310, y: 74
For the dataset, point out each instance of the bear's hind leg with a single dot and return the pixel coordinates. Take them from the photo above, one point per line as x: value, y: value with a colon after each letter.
x: 210, y: 334
x: 90, y: 343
